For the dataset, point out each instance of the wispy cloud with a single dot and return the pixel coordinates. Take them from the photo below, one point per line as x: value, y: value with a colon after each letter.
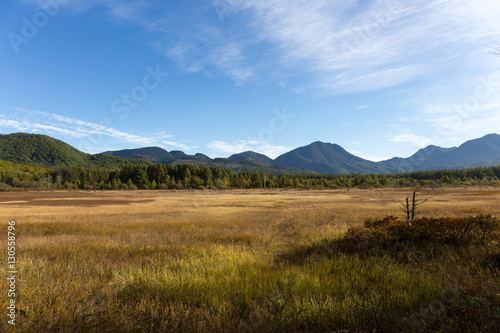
x: 323, y: 46
x: 417, y: 140
x: 369, y: 157
x: 342, y: 47
x: 51, y: 123
x: 470, y: 113
x: 240, y: 146
x: 82, y: 128
x: 26, y: 126
x: 394, y: 42
x: 455, y: 128
x: 161, y: 135
x: 331, y: 46
x: 178, y: 145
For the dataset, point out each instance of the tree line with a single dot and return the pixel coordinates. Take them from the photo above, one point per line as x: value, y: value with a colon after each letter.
x: 190, y: 176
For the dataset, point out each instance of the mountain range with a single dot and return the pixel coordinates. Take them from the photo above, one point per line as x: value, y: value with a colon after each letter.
x: 331, y: 158
x: 317, y: 157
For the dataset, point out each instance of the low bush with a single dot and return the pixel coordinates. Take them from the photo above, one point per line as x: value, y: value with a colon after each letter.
x: 388, y: 231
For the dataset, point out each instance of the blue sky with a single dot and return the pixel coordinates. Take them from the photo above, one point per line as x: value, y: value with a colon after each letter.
x: 380, y: 78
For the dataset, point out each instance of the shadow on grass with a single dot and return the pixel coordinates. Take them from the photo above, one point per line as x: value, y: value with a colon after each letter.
x: 433, y: 275
x: 461, y: 254
x: 423, y: 239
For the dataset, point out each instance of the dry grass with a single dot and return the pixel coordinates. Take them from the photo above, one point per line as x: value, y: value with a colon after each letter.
x: 201, y: 261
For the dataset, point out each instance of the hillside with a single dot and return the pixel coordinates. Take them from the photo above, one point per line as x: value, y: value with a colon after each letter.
x: 414, y: 162
x: 254, y: 165
x: 41, y: 149
x: 160, y: 155
x: 470, y: 152
x: 483, y: 151
x: 327, y: 158
x: 251, y: 155
x: 151, y: 154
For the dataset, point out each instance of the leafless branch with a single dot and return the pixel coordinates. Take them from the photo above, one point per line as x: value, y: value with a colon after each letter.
x: 421, y: 201
x: 408, y: 209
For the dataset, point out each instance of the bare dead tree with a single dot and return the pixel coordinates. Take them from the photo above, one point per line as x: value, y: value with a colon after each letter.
x: 410, y: 208
x: 406, y: 209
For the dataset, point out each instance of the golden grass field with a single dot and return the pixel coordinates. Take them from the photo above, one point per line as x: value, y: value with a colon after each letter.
x: 210, y: 261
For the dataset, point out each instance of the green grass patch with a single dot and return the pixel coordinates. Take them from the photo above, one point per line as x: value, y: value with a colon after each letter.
x: 432, y: 275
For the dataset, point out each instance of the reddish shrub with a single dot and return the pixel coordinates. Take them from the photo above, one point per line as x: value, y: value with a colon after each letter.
x: 381, y: 233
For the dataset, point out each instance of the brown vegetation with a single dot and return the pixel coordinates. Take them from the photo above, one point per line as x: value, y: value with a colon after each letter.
x: 246, y: 261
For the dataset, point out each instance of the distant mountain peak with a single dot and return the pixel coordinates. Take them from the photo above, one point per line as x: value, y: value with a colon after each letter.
x: 327, y: 145
x: 178, y: 154
x: 151, y: 154
x: 327, y: 158
x: 200, y: 155
x: 491, y: 136
x: 251, y: 155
